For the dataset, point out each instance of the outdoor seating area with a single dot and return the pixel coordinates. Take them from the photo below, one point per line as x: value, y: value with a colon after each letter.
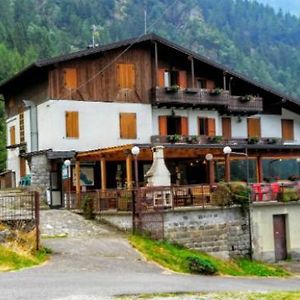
x: 153, y: 198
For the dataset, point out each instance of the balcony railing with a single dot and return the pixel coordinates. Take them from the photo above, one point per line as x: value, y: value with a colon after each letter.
x: 206, y: 98
x: 208, y: 140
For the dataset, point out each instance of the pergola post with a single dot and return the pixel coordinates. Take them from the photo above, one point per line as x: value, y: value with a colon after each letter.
x: 227, y: 168
x: 77, y: 175
x: 211, y: 171
x: 129, y: 171
x: 103, y: 173
x: 259, y: 169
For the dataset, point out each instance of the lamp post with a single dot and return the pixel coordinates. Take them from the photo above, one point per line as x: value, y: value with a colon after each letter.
x: 67, y: 164
x: 211, y: 174
x: 227, y: 150
x: 135, y: 151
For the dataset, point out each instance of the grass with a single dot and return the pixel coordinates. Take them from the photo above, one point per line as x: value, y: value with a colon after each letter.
x: 176, y: 258
x: 12, y: 260
x: 218, y: 296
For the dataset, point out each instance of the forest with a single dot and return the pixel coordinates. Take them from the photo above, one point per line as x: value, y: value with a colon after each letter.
x: 247, y: 36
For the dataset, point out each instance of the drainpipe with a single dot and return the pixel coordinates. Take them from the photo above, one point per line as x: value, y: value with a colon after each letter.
x: 33, y: 124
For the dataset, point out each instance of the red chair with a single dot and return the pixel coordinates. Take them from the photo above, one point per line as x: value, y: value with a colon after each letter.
x: 275, y: 188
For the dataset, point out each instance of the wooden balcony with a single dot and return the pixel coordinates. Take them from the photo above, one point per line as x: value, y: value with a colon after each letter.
x: 237, y: 104
x: 206, y: 98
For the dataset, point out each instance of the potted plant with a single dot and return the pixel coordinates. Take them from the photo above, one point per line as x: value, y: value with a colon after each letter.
x: 272, y: 141
x: 215, y: 139
x: 192, y: 139
x: 253, y: 140
x: 173, y: 88
x: 215, y: 92
x: 246, y: 98
x: 175, y: 138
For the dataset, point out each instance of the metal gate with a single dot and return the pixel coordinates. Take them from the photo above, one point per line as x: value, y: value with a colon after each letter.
x: 148, y: 213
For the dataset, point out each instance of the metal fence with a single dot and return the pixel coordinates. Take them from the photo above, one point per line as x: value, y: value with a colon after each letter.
x: 21, y: 208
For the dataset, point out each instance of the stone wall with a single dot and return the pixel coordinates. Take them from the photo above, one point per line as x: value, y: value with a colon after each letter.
x: 40, y: 168
x: 221, y: 232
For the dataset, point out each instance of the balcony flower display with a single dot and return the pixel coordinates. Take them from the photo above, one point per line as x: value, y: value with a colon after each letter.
x: 246, y: 98
x: 173, y: 88
x: 215, y: 92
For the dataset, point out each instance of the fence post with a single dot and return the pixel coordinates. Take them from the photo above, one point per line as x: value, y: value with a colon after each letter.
x: 37, y: 218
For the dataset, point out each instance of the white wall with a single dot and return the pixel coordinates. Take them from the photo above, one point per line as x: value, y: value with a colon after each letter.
x: 98, y: 124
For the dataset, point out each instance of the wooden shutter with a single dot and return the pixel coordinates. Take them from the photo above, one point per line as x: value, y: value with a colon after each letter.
x: 126, y: 76
x: 22, y: 162
x: 184, y: 126
x: 211, y: 127
x: 182, y: 79
x: 226, y: 128
x: 12, y: 133
x: 163, y: 128
x: 210, y: 84
x: 254, y: 127
x: 287, y: 129
x: 127, y: 125
x: 161, y: 77
x: 72, y: 124
x: 70, y: 78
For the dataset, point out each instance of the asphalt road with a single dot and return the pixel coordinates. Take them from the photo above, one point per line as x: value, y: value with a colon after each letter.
x: 104, y: 265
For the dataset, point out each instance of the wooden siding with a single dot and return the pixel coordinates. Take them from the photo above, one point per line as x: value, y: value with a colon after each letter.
x: 94, y: 85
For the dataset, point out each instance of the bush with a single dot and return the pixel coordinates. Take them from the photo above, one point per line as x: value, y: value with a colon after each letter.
x: 221, y: 196
x: 200, y: 266
x: 87, y: 207
x: 289, y: 194
x: 240, y: 194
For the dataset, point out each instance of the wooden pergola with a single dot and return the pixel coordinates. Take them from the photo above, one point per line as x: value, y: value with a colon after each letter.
x: 184, y: 151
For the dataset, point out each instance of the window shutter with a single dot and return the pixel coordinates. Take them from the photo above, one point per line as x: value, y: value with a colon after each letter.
x: 72, y: 124
x: 210, y: 84
x: 211, y: 127
x: 184, y: 126
x: 21, y: 127
x: 287, y: 129
x: 182, y: 79
x: 126, y: 76
x: 12, y: 132
x: 162, y: 122
x: 226, y: 128
x: 22, y: 162
x: 253, y: 127
x: 161, y: 77
x: 128, y: 126
x: 70, y: 78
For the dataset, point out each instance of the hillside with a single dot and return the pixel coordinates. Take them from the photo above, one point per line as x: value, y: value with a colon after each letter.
x: 244, y: 35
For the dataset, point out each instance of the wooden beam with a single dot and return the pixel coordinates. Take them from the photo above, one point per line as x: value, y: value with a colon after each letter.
x: 156, y: 64
x: 77, y: 174
x: 129, y: 171
x: 211, y: 171
x: 103, y: 174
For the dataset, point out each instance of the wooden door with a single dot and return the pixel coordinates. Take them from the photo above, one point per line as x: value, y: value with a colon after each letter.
x: 226, y: 128
x: 254, y: 127
x: 279, y: 237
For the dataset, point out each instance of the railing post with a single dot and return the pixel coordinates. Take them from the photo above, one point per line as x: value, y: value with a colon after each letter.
x: 37, y: 218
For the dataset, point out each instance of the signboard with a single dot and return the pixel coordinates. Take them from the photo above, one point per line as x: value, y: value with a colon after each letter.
x: 86, y: 176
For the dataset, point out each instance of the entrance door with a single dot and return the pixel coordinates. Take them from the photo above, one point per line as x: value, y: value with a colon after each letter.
x: 279, y: 237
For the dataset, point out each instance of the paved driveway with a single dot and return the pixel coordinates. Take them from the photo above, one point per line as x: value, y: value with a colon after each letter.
x: 95, y: 262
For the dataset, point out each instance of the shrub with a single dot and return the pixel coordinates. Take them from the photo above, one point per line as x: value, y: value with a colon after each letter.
x: 240, y: 194
x: 87, y: 207
x: 221, y: 196
x: 200, y: 265
x: 289, y: 194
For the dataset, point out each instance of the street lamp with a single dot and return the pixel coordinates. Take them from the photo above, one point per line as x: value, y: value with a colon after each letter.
x: 227, y: 150
x: 209, y: 157
x: 135, y: 151
x: 67, y: 164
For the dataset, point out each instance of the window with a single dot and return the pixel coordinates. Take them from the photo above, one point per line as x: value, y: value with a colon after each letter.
x: 21, y: 127
x: 128, y: 126
x: 126, y: 76
x: 253, y: 127
x: 168, y: 78
x: 70, y: 78
x: 12, y: 133
x: 207, y: 126
x: 287, y: 130
x: 72, y: 126
x: 170, y: 125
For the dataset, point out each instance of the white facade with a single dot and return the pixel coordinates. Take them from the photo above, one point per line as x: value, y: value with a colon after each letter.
x: 99, y: 126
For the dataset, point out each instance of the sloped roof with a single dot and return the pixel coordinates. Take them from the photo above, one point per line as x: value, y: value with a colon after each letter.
x: 130, y: 42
